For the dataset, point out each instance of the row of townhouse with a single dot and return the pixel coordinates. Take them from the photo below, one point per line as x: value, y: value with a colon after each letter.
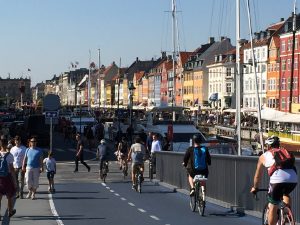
x: 205, y: 76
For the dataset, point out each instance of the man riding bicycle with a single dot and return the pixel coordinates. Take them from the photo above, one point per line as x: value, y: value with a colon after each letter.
x: 194, y: 155
x: 282, y: 181
x: 137, y: 154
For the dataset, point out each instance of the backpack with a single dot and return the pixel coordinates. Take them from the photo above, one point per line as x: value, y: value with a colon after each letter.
x: 3, y: 165
x: 283, y: 160
x: 124, y: 148
x: 200, y: 158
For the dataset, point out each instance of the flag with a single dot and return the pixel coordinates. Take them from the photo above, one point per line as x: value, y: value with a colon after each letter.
x: 72, y: 64
x: 213, y: 97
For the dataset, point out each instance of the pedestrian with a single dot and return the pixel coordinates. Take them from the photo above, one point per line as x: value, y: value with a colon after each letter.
x: 33, y: 165
x: 149, y: 144
x: 102, y: 153
x: 7, y: 177
x: 50, y: 164
x: 79, y: 154
x: 18, y: 152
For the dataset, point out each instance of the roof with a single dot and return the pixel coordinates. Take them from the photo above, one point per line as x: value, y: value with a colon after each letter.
x: 139, y: 65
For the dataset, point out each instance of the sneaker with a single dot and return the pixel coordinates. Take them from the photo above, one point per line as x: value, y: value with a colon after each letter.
x: 192, y: 192
x: 12, y: 213
x: 21, y: 196
x: 28, y: 195
x: 53, y: 190
x: 133, y: 187
x: 75, y: 171
x: 89, y: 169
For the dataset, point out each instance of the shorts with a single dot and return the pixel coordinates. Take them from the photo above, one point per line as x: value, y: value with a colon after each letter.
x: 276, y: 191
x: 32, y: 177
x: 7, y: 186
x: 136, y: 166
x: 50, y: 175
x: 193, y: 173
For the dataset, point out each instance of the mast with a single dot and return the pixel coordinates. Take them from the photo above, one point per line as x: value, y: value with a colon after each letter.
x: 293, y: 55
x: 174, y: 50
x: 256, y: 79
x: 89, y: 83
x: 238, y: 79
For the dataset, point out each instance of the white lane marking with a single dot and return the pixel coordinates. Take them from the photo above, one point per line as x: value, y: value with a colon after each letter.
x: 130, y: 203
x: 123, y: 199
x: 116, y: 194
x: 103, y: 184
x: 141, y: 210
x: 154, y: 217
x: 112, y: 191
x: 107, y: 187
x: 53, y: 210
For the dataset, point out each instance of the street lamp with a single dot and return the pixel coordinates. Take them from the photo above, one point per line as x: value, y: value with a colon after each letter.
x: 131, y: 89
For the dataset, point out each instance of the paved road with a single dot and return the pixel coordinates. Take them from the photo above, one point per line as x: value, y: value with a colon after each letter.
x: 83, y: 199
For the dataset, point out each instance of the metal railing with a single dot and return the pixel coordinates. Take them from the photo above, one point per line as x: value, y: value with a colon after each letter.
x: 229, y: 181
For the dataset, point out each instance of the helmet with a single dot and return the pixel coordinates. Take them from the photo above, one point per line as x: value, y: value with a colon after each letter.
x: 102, y: 141
x: 197, y: 138
x: 273, y: 141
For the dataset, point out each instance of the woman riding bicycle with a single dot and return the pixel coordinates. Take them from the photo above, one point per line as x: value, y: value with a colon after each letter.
x: 282, y: 181
x: 190, y: 161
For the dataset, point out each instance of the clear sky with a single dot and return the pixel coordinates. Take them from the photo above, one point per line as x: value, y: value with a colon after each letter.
x: 45, y: 36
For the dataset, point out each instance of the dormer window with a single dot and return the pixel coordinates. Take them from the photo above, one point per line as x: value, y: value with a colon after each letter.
x: 216, y: 58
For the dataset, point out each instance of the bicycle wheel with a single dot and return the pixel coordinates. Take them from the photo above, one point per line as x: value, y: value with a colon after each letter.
x: 193, y: 201
x: 139, y: 183
x: 265, y: 215
x: 287, y: 218
x: 201, y: 202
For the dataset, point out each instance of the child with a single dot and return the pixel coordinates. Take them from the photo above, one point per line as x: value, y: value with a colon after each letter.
x: 51, y: 170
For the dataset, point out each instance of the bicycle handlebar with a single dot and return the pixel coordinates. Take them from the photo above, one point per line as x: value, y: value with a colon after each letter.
x: 258, y: 190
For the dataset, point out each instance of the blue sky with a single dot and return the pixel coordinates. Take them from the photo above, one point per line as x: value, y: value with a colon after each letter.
x: 47, y: 35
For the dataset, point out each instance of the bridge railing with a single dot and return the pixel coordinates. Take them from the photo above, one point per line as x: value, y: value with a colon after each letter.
x: 229, y: 182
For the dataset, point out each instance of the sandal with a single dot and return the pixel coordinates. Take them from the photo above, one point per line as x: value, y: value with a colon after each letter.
x: 12, y: 213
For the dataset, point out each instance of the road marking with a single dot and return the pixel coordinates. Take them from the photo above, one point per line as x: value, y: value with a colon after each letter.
x: 130, y: 203
x: 123, y: 199
x: 53, y: 210
x: 116, y: 194
x: 141, y: 210
x: 154, y: 217
x: 103, y: 184
x: 112, y: 191
x: 107, y: 187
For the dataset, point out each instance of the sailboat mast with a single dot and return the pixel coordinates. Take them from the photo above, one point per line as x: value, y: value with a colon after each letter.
x: 256, y: 79
x: 174, y: 52
x: 89, y: 83
x: 293, y: 55
x: 238, y: 79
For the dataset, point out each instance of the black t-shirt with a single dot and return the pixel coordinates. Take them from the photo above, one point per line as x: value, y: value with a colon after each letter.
x: 79, y: 143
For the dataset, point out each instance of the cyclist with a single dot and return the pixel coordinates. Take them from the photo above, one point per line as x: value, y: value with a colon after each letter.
x: 122, y: 153
x: 102, y: 152
x: 137, y: 154
x: 189, y: 161
x: 282, y: 181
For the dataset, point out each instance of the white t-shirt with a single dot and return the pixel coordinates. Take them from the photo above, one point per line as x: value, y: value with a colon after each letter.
x: 155, y: 147
x: 18, y: 154
x: 50, y: 164
x: 9, y: 159
x: 279, y: 176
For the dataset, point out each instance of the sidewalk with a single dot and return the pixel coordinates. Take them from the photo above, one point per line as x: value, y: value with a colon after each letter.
x: 31, y: 212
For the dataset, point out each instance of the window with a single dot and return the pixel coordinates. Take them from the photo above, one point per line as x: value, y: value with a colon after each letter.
x: 296, y: 43
x: 263, y: 85
x: 246, y: 85
x: 228, y: 87
x: 295, y: 63
x: 295, y: 83
x: 283, y: 46
x: 283, y: 84
x: 263, y: 68
x: 289, y: 64
x: 290, y: 43
x: 283, y: 65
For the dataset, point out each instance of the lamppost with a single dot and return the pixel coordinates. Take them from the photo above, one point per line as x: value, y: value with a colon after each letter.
x: 131, y: 89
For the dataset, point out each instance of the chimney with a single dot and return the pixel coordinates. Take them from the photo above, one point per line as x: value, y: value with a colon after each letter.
x: 281, y: 19
x: 223, y: 38
x: 211, y: 40
x: 163, y: 55
x: 137, y: 59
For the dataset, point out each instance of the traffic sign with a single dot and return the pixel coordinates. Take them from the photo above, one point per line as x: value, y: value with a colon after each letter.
x: 51, y: 114
x: 51, y: 102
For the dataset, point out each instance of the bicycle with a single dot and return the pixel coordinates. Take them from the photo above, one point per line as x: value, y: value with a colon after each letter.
x: 285, y: 214
x: 198, y: 199
x: 138, y: 180
x: 124, y: 168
